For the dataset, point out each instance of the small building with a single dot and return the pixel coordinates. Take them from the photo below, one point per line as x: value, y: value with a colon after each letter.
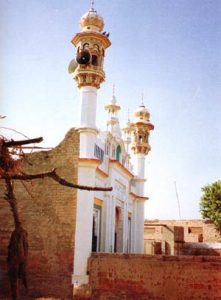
x: 181, y: 237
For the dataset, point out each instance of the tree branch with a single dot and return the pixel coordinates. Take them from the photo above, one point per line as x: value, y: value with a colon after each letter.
x: 23, y: 142
x: 52, y: 174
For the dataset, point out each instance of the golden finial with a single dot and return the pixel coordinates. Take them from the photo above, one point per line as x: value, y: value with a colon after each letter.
x: 142, y: 100
x: 128, y: 115
x: 113, y: 90
x: 92, y: 5
x: 113, y: 100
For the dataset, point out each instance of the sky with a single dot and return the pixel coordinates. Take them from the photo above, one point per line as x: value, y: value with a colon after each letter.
x: 167, y: 50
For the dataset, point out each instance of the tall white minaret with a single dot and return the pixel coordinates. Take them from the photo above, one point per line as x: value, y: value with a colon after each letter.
x: 140, y: 129
x: 91, y: 43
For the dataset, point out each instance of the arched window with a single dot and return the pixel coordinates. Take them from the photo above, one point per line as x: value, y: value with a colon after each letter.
x: 85, y: 46
x: 94, y: 60
x: 96, y: 47
x: 118, y: 153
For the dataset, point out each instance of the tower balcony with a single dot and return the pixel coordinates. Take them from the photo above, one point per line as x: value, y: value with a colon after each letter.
x: 89, y: 76
x: 141, y: 148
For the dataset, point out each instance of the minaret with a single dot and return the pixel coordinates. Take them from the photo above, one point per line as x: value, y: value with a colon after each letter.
x: 127, y: 139
x: 140, y: 129
x: 91, y: 43
x: 127, y: 133
x: 113, y: 123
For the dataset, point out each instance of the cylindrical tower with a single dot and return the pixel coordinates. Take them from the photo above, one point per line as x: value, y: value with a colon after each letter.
x: 140, y: 129
x: 88, y: 73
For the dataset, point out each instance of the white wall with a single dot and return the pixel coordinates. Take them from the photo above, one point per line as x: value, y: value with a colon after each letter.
x: 84, y: 224
x: 88, y: 106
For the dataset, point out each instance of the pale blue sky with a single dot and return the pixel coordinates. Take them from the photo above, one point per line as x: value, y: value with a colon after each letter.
x: 167, y: 49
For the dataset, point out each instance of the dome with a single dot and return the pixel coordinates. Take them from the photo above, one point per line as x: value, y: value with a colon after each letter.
x: 142, y: 114
x: 91, y: 21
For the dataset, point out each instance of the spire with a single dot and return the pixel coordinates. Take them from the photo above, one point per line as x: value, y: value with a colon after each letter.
x: 112, y: 108
x: 92, y: 6
x: 113, y: 89
x: 142, y: 100
x: 128, y: 115
x: 113, y: 100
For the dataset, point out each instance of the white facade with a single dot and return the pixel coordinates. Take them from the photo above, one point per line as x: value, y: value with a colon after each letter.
x: 106, y: 221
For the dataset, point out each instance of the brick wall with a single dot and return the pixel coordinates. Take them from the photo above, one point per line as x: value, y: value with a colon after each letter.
x: 47, y: 211
x: 134, y: 276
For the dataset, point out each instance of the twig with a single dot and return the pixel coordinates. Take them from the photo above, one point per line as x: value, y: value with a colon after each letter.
x: 7, y: 128
x: 52, y: 174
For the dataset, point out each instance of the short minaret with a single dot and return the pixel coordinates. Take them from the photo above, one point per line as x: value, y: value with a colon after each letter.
x: 91, y: 43
x: 112, y: 108
x: 140, y: 129
x: 127, y: 140
x: 88, y: 72
x: 127, y: 133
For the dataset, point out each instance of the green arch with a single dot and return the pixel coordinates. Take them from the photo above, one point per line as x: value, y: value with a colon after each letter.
x: 118, y: 153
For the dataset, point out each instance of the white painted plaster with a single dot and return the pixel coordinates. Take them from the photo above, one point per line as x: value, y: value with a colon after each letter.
x: 88, y: 106
x: 84, y: 222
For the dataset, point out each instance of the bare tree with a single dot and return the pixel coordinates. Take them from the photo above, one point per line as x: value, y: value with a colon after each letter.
x: 10, y: 169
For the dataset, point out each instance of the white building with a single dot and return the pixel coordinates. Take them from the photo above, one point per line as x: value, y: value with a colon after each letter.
x: 106, y: 221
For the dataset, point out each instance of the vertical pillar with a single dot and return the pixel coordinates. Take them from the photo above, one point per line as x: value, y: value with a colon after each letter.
x: 88, y: 106
x: 107, y: 223
x: 87, y: 126
x: 140, y: 171
x: 84, y: 223
x: 139, y: 235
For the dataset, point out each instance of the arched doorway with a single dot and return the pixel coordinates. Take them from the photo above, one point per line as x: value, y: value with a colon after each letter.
x: 118, y: 237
